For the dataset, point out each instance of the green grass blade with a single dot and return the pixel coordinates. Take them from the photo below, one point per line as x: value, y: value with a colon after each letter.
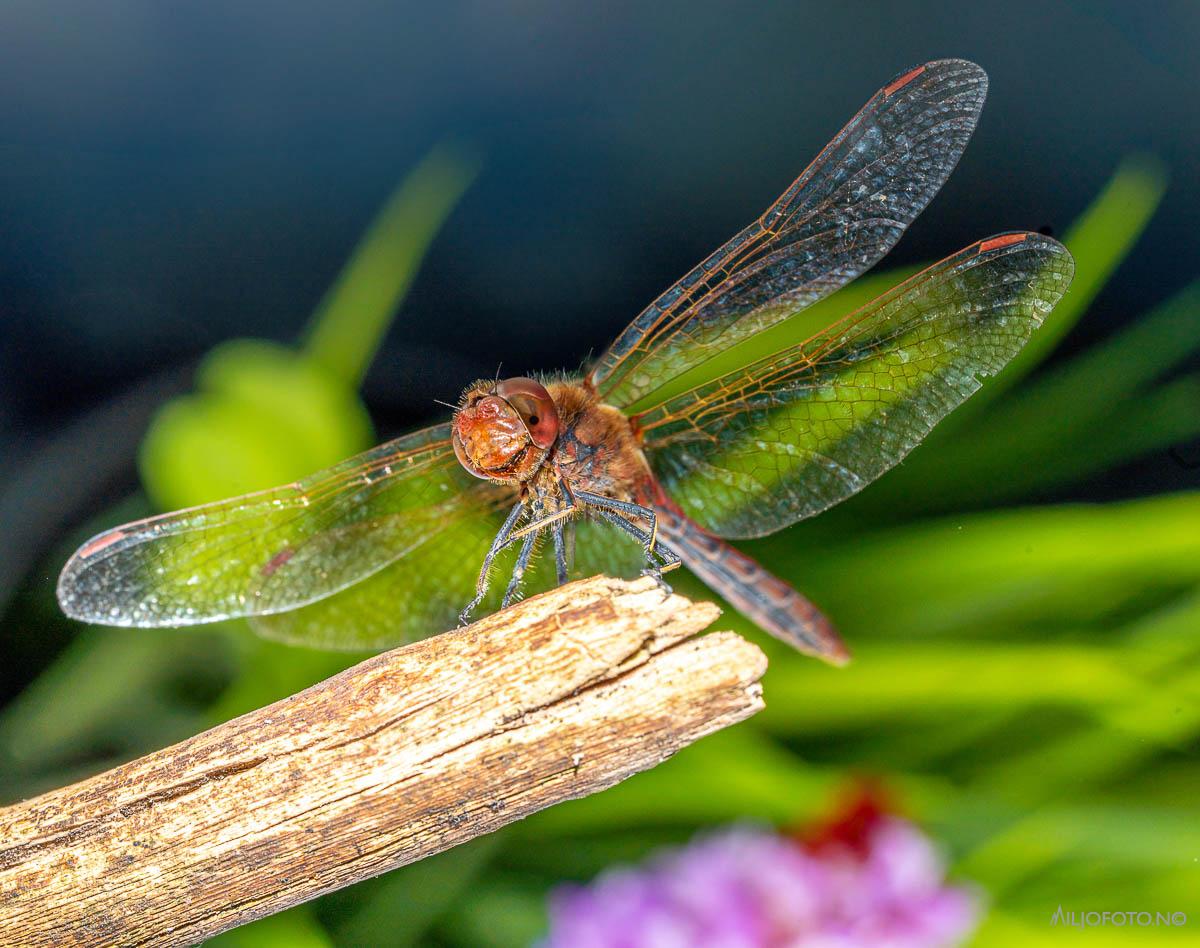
x: 295, y: 928
x: 349, y: 323
x: 925, y: 680
x: 1087, y: 387
x: 1078, y: 419
x: 959, y: 574
x: 399, y: 908
x: 1167, y: 416
x: 1099, y: 241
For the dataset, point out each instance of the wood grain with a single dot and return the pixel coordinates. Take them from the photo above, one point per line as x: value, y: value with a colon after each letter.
x: 404, y: 755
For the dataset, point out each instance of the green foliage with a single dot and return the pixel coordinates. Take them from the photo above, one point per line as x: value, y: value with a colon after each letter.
x: 351, y: 320
x: 1100, y: 240
x: 295, y: 928
x: 1026, y: 678
x: 264, y: 415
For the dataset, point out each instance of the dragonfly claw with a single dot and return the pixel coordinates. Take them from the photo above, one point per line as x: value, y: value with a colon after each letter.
x: 656, y: 575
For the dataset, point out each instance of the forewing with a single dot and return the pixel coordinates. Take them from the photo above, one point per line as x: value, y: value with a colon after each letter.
x: 279, y: 549
x: 793, y: 434
x: 841, y: 215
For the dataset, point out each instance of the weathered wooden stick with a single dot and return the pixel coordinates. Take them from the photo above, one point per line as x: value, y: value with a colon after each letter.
x: 400, y: 757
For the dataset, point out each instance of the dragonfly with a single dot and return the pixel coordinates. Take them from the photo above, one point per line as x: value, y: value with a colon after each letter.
x: 609, y: 468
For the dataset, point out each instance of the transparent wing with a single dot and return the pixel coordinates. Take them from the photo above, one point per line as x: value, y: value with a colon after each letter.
x: 602, y: 548
x: 416, y: 594
x: 795, y: 433
x: 423, y: 594
x: 284, y: 548
x: 841, y: 215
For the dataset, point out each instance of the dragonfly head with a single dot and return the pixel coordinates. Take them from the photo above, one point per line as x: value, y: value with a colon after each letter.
x: 503, y: 430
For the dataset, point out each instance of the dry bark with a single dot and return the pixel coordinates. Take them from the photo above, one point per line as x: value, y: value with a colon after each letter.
x: 403, y: 756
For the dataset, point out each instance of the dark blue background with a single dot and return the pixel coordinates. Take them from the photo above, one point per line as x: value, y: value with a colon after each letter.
x: 175, y: 174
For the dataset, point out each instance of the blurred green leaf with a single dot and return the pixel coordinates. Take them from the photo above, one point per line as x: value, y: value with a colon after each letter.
x: 399, y: 908
x: 106, y: 687
x: 268, y: 671
x: 928, y: 679
x: 295, y: 928
x: 262, y: 416
x: 1143, y: 837
x: 964, y: 574
x: 504, y: 914
x: 1090, y: 413
x: 1004, y: 930
x: 1167, y: 415
x: 351, y: 320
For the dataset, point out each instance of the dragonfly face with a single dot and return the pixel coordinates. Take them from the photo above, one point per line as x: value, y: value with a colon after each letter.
x: 502, y: 431
x: 385, y: 547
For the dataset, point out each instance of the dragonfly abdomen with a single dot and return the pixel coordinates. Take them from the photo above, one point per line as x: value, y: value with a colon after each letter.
x: 748, y: 587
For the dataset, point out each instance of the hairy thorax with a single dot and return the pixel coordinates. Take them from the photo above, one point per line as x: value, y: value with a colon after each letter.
x: 597, y: 449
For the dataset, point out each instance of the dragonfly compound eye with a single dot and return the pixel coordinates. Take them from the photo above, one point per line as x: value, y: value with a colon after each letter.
x: 535, y: 406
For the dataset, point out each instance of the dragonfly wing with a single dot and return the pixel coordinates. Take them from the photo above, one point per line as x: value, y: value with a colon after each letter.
x: 277, y: 549
x: 841, y: 215
x: 423, y: 594
x: 795, y: 433
x: 602, y: 548
x: 411, y: 597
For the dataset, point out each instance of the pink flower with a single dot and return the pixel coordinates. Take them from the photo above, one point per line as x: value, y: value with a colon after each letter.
x: 865, y: 880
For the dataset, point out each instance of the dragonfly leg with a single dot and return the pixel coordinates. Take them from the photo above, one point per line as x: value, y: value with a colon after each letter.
x: 508, y: 536
x: 569, y: 538
x: 541, y: 523
x: 660, y: 559
x: 514, y: 584
x: 560, y: 553
x: 564, y: 547
x: 501, y: 542
x: 627, y: 510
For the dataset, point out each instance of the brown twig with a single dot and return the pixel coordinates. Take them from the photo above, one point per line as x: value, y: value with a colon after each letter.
x: 402, y: 756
